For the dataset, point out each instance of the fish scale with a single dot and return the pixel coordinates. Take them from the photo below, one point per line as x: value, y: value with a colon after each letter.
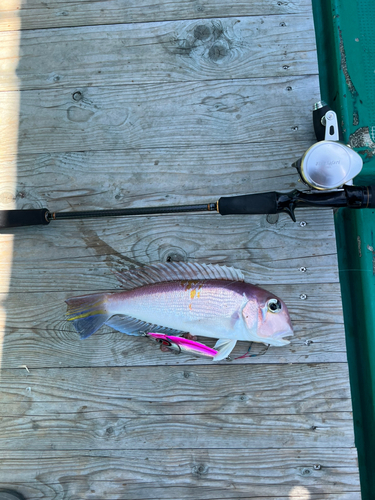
x: 153, y: 303
x: 167, y: 299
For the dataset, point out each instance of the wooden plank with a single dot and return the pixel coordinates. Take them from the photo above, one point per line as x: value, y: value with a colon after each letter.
x: 55, y: 14
x: 95, y: 272
x: 27, y: 343
x: 165, y: 115
x: 110, y: 430
x: 158, y: 175
x: 267, y: 253
x: 160, y: 390
x: 233, y: 48
x: 147, y: 492
x: 204, y: 474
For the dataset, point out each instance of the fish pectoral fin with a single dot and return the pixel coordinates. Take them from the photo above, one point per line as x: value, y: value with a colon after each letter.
x: 224, y: 348
x: 234, y: 318
x: 134, y: 326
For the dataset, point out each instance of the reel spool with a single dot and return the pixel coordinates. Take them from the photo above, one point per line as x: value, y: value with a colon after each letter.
x: 328, y: 164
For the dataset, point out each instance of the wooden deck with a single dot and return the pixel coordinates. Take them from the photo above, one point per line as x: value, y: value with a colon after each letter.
x: 110, y: 104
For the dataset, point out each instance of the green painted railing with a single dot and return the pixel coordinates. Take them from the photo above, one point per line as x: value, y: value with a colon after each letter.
x: 345, y: 36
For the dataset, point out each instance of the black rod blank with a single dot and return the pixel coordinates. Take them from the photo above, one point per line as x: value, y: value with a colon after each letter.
x: 174, y: 209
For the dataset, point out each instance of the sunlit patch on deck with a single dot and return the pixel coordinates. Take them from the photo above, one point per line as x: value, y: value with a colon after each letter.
x: 299, y: 493
x: 9, y: 125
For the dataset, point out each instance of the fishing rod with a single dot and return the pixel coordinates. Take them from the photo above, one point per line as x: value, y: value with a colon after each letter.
x: 263, y: 203
x: 327, y: 168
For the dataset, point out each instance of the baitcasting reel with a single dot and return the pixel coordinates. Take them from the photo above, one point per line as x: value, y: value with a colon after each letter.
x: 328, y: 164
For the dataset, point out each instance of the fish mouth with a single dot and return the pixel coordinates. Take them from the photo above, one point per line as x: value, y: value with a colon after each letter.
x: 285, y: 333
x: 281, y: 339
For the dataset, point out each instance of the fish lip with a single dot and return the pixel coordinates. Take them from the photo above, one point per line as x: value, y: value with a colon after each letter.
x: 284, y: 333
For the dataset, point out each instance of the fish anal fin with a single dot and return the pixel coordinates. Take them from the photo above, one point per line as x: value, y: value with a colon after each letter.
x: 134, y: 326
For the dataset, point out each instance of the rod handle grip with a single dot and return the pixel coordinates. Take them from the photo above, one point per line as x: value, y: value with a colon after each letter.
x: 263, y: 203
x: 16, y: 218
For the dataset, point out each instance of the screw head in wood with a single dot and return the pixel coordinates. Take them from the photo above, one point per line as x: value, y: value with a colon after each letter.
x: 77, y: 96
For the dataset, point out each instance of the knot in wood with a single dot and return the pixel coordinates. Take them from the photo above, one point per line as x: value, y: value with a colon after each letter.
x: 217, y: 52
x: 272, y: 218
x: 202, y: 32
x: 174, y: 254
x: 200, y: 470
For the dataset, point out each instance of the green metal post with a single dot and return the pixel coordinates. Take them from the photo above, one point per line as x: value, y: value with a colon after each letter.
x: 345, y: 36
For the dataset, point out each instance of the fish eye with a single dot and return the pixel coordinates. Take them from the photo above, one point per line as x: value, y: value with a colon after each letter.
x: 274, y: 305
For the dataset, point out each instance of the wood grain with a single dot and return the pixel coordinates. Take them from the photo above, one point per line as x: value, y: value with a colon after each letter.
x: 165, y: 115
x: 82, y: 255
x: 56, y: 14
x: 37, y: 346
x: 110, y: 430
x: 224, y: 49
x: 175, y: 390
x: 158, y: 175
x: 171, y: 474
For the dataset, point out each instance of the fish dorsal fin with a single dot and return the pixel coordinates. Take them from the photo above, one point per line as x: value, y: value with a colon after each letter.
x: 176, y: 271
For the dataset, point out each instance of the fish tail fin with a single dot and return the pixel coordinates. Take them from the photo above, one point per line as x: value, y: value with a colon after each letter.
x: 88, y: 313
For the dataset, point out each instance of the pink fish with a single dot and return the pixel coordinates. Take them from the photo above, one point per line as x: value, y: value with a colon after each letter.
x: 205, y: 300
x: 181, y: 344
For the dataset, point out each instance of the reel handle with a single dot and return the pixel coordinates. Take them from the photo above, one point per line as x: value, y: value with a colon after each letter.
x: 274, y: 202
x: 319, y: 111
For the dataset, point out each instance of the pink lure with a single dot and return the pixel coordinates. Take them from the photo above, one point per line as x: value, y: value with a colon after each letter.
x: 181, y: 344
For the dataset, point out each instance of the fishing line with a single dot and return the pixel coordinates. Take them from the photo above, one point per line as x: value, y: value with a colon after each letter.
x: 247, y: 355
